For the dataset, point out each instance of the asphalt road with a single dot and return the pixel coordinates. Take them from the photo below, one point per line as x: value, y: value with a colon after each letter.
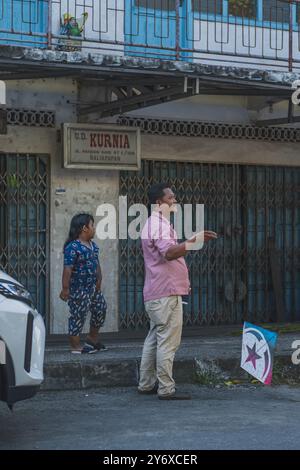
x: 118, y: 418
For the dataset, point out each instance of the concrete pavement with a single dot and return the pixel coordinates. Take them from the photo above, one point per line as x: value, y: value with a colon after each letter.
x: 211, y: 357
x: 241, y: 417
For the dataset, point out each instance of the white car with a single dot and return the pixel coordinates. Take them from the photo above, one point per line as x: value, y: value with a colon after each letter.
x: 22, y: 342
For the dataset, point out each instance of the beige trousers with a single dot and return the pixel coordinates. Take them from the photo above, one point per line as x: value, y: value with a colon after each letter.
x: 163, y: 340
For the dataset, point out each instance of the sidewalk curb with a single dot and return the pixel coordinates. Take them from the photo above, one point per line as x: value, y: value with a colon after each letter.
x: 84, y: 375
x: 81, y: 375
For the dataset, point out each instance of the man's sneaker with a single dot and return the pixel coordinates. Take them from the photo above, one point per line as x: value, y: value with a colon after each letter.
x: 97, y: 346
x: 152, y: 391
x: 175, y: 396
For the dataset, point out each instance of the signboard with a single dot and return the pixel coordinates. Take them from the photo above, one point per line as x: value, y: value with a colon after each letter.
x: 258, y: 352
x: 104, y: 146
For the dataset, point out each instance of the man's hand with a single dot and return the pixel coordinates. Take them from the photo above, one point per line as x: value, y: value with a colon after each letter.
x: 203, y: 236
x: 209, y: 235
x: 176, y: 251
x: 64, y: 295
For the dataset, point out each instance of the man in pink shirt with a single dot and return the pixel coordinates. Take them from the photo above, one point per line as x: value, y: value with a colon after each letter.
x: 166, y: 281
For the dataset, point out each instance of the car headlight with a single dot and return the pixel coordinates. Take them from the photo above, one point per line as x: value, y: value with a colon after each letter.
x: 15, y: 291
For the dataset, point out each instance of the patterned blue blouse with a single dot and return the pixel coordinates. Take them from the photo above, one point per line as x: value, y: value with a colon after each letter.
x: 84, y: 262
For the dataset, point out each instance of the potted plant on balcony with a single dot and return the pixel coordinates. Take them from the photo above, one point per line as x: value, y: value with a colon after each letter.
x: 243, y: 8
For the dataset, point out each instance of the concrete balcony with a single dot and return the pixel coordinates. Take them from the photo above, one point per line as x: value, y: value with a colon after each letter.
x: 261, y: 34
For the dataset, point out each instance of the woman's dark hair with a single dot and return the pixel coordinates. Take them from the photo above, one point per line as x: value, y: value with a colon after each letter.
x: 77, y: 224
x: 157, y: 192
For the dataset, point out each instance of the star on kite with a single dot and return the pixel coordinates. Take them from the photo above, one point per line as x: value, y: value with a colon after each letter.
x: 253, y: 356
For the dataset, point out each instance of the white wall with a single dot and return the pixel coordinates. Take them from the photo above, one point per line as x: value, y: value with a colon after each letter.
x: 200, y: 108
x: 56, y: 94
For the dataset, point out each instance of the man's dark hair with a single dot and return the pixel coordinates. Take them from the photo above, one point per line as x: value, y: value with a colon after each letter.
x: 157, y: 192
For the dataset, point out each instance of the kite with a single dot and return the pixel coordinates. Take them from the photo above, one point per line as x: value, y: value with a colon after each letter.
x: 258, y: 352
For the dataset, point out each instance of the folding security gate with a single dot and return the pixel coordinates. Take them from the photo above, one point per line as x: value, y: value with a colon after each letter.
x: 24, y: 209
x: 253, y: 270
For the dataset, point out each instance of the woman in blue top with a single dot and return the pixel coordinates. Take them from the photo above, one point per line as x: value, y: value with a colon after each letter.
x: 81, y: 284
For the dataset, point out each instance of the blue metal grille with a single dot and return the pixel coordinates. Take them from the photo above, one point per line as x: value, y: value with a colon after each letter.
x: 24, y: 231
x: 256, y: 212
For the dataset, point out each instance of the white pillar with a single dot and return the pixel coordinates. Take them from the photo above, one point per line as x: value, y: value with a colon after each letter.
x: 2, y: 92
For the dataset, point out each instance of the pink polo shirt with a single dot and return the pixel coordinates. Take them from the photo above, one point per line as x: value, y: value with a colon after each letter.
x: 163, y: 278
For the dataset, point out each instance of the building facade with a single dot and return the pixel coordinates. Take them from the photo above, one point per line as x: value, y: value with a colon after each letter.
x: 209, y: 83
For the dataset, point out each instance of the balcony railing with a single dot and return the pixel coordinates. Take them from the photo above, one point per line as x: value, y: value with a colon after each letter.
x: 249, y: 33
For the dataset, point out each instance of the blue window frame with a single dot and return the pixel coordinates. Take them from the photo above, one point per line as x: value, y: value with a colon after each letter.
x: 165, y: 5
x: 151, y: 28
x: 213, y: 7
x: 260, y: 13
x: 276, y: 11
x: 24, y: 22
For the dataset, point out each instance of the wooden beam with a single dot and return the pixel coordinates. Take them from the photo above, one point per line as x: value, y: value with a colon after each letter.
x: 144, y: 99
x: 20, y: 75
